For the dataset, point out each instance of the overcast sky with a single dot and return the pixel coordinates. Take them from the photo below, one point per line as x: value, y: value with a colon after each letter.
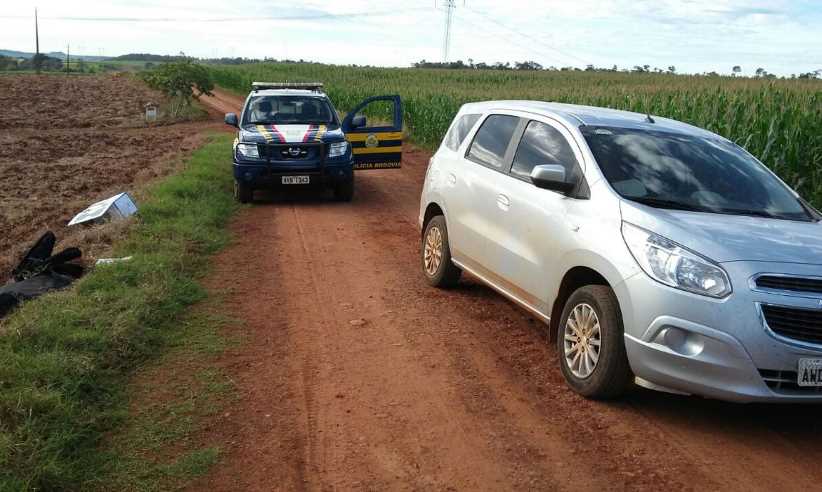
x: 782, y: 36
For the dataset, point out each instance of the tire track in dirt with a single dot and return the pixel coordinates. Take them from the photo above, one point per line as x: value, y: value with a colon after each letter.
x: 358, y: 375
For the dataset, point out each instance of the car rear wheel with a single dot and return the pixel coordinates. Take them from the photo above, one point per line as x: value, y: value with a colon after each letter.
x: 344, y: 190
x: 437, y: 266
x: 591, y: 344
x: 243, y: 192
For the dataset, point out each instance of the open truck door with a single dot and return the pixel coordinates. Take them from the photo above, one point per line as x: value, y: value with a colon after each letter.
x: 374, y: 130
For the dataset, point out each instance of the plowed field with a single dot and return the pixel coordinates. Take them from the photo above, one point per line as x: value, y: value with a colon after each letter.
x: 66, y: 142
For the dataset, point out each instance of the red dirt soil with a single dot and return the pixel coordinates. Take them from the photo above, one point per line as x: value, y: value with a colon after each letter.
x: 357, y: 375
x: 66, y: 142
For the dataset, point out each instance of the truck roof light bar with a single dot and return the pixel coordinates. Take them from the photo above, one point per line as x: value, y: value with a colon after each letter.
x: 310, y: 86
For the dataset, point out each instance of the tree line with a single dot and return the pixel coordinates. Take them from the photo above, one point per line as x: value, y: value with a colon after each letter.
x: 46, y: 63
x: 532, y: 65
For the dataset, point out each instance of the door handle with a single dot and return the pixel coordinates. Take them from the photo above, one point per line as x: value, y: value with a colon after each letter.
x: 452, y: 180
x: 503, y: 202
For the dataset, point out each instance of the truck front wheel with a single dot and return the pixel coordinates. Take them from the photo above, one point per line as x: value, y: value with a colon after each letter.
x: 243, y: 192
x: 344, y: 190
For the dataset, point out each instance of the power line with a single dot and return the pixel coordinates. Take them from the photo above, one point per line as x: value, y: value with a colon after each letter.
x: 528, y: 37
x: 480, y: 31
x: 321, y: 16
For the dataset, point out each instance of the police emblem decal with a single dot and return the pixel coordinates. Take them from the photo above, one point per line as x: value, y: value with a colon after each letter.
x: 372, y: 141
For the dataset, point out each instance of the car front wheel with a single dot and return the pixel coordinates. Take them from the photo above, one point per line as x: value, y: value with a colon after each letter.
x: 591, y: 344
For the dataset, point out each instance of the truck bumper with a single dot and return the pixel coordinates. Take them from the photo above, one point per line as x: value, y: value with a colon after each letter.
x: 267, y: 176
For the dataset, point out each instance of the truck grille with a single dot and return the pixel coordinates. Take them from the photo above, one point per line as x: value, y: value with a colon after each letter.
x: 794, y: 284
x: 785, y: 382
x: 286, y: 153
x: 799, y: 324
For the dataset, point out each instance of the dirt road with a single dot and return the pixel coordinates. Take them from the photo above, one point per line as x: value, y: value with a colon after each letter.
x: 355, y: 374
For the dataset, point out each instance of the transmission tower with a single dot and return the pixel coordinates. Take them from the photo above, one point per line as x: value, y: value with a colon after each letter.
x: 450, y: 5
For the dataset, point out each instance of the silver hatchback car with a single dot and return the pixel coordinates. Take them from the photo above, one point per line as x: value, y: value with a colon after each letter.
x: 656, y: 252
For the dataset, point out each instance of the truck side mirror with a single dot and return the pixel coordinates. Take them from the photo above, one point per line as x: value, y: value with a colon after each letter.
x: 358, y: 121
x: 231, y: 120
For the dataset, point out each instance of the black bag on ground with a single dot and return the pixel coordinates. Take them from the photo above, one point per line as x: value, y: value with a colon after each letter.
x: 7, y: 303
x: 14, y: 293
x: 40, y: 272
x: 39, y: 259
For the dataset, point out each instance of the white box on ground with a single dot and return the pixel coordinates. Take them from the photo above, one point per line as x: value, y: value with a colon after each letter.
x: 117, y: 207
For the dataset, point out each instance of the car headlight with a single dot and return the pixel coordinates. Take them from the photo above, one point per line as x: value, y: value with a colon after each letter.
x: 337, y: 149
x: 248, y: 150
x: 671, y: 264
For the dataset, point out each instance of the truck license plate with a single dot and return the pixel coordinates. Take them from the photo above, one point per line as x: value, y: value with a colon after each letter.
x: 810, y: 372
x: 296, y: 180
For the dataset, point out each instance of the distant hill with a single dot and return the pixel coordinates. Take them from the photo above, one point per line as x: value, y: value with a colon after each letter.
x: 147, y: 57
x: 53, y: 54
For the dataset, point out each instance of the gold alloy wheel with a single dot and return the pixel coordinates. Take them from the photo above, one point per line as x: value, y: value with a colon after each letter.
x: 432, y: 251
x: 582, y: 341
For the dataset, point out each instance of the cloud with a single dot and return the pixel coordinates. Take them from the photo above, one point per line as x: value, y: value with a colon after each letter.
x: 695, y: 35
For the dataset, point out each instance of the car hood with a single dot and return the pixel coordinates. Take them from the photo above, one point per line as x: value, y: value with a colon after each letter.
x: 290, y: 133
x: 725, y: 238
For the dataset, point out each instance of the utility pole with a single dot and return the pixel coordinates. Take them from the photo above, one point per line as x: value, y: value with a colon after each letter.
x: 68, y: 58
x: 37, y: 42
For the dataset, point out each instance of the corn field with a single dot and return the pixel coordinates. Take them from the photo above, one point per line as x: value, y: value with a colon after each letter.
x: 779, y: 121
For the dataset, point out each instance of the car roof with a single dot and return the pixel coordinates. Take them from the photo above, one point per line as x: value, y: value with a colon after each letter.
x: 577, y: 115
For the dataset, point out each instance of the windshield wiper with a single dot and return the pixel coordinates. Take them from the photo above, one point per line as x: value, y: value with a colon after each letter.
x: 662, y: 203
x: 761, y: 213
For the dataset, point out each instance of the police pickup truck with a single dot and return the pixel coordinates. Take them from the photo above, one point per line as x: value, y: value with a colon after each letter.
x: 290, y: 136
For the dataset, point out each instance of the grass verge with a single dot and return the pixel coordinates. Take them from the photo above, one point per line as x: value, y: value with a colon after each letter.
x: 66, y: 359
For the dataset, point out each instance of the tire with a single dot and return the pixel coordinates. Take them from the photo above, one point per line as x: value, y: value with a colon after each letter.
x: 344, y: 190
x: 243, y: 192
x: 611, y: 374
x: 438, y: 268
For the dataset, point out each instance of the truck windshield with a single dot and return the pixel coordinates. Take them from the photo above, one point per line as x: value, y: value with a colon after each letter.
x: 685, y: 172
x: 288, y: 110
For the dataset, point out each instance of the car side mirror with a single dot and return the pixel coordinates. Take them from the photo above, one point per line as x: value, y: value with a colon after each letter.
x: 358, y: 121
x: 551, y: 177
x: 231, y: 120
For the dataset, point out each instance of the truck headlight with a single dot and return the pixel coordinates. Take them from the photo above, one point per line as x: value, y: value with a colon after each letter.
x: 337, y: 149
x: 248, y: 150
x: 671, y: 264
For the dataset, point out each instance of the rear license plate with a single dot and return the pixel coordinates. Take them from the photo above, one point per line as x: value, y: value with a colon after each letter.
x: 810, y: 372
x: 296, y: 180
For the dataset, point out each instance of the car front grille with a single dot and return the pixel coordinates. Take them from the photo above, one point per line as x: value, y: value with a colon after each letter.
x: 793, y: 284
x: 785, y: 382
x: 804, y: 325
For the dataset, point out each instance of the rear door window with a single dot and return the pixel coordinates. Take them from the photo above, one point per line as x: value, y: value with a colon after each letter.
x: 492, y: 140
x: 543, y: 144
x: 460, y: 130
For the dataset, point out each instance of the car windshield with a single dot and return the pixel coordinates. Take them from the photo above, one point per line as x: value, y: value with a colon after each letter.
x: 288, y: 110
x: 685, y: 172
